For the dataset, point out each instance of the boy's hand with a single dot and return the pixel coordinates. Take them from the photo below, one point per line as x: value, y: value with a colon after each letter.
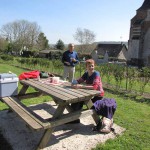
x: 77, y: 86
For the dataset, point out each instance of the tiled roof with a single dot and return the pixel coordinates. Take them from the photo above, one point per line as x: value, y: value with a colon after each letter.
x: 145, y: 5
x: 46, y: 51
x: 111, y: 42
x: 112, y: 49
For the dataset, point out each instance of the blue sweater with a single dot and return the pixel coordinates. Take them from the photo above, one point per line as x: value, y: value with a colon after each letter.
x: 67, y: 55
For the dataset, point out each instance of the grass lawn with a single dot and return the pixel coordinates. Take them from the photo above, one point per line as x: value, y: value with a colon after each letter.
x: 130, y: 114
x: 135, y: 117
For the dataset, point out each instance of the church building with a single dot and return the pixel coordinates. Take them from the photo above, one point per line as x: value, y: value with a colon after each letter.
x: 139, y: 38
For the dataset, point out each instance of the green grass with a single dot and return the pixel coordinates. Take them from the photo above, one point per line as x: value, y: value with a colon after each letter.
x: 4, y: 68
x: 130, y: 114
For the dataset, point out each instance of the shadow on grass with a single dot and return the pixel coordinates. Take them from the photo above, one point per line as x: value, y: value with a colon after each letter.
x: 132, y: 96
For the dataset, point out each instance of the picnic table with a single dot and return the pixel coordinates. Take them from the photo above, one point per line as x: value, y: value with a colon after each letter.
x: 63, y: 95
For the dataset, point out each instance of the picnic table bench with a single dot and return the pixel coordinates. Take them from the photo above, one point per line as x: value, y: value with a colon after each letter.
x: 63, y: 95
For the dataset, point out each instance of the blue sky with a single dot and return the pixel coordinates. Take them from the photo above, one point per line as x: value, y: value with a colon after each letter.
x: 59, y: 19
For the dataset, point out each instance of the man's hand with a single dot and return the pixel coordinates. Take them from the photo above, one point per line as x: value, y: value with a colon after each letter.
x: 73, y: 59
x: 67, y: 63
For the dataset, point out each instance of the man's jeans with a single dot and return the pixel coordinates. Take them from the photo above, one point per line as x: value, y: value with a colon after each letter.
x: 68, y: 70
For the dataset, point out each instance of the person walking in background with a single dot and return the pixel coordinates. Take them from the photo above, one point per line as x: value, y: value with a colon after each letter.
x: 69, y: 59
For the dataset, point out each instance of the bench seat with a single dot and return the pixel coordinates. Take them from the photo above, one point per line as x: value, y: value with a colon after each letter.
x: 38, y: 123
x: 23, y: 112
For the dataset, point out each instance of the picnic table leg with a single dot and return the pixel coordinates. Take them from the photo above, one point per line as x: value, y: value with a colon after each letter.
x: 48, y: 133
x: 89, y: 104
x: 69, y: 108
x: 45, y: 139
x: 23, y: 89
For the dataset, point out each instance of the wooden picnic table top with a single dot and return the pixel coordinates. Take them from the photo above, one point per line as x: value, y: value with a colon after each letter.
x: 61, y: 92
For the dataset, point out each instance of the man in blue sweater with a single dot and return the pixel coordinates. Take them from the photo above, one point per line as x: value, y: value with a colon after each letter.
x: 69, y: 59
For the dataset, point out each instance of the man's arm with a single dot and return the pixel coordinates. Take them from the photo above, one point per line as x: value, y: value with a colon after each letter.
x: 76, y: 59
x: 64, y: 59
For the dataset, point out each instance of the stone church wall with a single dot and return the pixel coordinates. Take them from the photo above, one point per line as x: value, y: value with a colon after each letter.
x: 133, y: 49
x: 146, y: 47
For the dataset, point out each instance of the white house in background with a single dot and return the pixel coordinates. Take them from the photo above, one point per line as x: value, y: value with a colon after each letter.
x: 110, y: 49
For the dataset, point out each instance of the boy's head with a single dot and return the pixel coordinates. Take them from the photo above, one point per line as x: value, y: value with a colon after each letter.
x: 90, y: 62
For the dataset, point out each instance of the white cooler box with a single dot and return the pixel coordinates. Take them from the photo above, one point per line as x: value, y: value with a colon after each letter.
x: 8, y: 84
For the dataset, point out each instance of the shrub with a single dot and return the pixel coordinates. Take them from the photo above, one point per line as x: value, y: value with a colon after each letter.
x: 7, y: 57
x: 84, y: 55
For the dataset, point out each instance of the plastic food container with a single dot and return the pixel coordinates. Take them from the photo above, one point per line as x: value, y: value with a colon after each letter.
x: 8, y: 84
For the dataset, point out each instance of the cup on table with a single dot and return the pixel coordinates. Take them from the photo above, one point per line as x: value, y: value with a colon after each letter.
x: 54, y: 80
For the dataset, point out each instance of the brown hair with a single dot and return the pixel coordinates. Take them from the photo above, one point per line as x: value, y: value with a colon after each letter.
x: 90, y: 61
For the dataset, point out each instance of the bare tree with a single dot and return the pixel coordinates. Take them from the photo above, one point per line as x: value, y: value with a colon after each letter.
x: 21, y: 33
x: 85, y: 37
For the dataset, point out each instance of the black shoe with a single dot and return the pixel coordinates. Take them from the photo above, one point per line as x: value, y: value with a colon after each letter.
x: 73, y: 122
x: 94, y: 128
x: 93, y: 107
